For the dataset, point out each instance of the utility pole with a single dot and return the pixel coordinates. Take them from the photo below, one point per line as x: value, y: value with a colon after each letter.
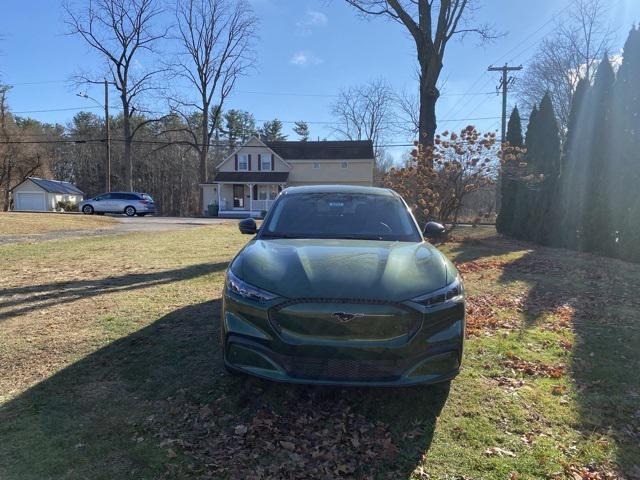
x: 505, y: 83
x: 108, y: 133
x: 107, y: 139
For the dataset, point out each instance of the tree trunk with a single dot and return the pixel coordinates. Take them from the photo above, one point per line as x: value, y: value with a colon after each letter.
x: 7, y: 187
x: 204, y: 153
x: 430, y: 66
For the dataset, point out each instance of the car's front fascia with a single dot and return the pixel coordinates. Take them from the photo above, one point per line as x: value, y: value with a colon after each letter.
x: 421, y: 340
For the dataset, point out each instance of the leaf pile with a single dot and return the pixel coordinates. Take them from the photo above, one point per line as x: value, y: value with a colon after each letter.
x: 311, y: 439
x: 536, y: 369
x: 590, y: 473
x: 475, y: 266
x: 483, y: 313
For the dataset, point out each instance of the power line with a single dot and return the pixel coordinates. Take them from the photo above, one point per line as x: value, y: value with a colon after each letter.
x: 68, y: 109
x: 399, y: 143
x: 455, y: 108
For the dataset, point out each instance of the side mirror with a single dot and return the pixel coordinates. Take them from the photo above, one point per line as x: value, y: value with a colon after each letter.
x: 433, y: 230
x: 248, y: 226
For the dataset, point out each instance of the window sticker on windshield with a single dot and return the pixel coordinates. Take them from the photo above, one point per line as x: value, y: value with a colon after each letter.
x: 336, y: 204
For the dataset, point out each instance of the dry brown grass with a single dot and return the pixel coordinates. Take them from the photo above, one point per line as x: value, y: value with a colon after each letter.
x: 14, y: 223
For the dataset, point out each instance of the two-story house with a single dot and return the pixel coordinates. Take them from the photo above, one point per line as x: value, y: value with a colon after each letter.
x: 249, y: 179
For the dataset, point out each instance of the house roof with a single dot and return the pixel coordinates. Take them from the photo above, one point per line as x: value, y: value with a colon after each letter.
x: 324, y: 150
x: 56, y: 186
x: 344, y: 189
x: 254, y: 177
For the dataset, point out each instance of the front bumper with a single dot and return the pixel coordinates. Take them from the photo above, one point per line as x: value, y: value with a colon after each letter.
x: 430, y: 353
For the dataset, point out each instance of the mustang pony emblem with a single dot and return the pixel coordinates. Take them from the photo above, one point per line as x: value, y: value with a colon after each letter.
x: 345, y: 317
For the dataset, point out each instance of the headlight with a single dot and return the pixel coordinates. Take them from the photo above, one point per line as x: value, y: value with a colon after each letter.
x: 451, y: 293
x: 243, y: 289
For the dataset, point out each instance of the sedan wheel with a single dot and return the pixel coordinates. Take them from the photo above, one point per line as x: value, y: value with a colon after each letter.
x: 129, y: 211
x: 87, y: 210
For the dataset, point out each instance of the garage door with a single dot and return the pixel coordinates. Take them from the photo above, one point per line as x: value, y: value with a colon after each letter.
x: 30, y: 201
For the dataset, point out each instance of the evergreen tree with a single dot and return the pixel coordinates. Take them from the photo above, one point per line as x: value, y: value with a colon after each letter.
x: 597, y: 216
x: 514, y: 129
x: 524, y: 194
x: 302, y: 129
x: 545, y: 166
x: 240, y: 126
x: 508, y: 183
x: 625, y: 175
x: 573, y: 179
x: 272, y: 131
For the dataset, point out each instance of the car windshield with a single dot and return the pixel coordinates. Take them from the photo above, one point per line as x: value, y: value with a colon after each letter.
x: 147, y: 197
x: 338, y: 215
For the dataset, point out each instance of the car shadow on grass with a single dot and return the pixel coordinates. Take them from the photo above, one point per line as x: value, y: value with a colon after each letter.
x: 20, y: 300
x: 158, y: 404
x: 597, y: 299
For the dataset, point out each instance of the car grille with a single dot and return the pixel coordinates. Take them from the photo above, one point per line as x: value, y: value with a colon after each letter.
x: 341, y: 369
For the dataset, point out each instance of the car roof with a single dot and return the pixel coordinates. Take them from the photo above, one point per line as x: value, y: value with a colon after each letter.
x: 354, y: 189
x: 134, y: 193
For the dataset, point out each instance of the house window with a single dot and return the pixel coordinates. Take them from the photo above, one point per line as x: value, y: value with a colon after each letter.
x: 265, y: 161
x: 316, y: 165
x: 267, y: 192
x: 344, y: 165
x: 243, y: 162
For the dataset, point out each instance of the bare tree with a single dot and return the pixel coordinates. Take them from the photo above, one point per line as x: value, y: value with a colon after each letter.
x: 216, y: 38
x: 364, y: 112
x: 572, y: 52
x: 407, y: 113
x: 121, y: 31
x: 431, y: 23
x: 18, y: 158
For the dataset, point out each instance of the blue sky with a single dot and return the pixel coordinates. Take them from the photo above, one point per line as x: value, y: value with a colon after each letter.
x: 308, y: 50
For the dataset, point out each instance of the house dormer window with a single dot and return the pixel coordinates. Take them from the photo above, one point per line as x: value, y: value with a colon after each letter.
x: 316, y: 165
x: 265, y: 161
x: 344, y: 165
x: 243, y: 162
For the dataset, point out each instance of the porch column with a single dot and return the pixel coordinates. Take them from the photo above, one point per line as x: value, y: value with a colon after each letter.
x: 218, y: 187
x: 250, y: 198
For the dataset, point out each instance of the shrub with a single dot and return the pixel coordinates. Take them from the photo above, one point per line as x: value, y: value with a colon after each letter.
x: 67, y: 206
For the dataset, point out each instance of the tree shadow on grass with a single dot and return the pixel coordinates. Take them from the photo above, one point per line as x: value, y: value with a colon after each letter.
x: 20, y: 300
x: 134, y: 409
x: 470, y: 249
x: 597, y: 299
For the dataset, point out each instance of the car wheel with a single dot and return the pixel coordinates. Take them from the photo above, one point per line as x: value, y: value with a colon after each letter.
x: 87, y: 210
x: 129, y: 211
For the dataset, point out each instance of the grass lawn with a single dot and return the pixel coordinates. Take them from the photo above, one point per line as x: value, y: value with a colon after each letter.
x: 110, y: 368
x: 16, y: 223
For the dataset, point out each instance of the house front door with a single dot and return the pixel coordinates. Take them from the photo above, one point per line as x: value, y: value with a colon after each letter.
x: 238, y: 196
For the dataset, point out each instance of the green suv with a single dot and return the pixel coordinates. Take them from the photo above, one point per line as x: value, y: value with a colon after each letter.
x: 339, y: 287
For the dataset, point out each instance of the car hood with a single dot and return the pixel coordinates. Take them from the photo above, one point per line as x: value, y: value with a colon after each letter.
x: 329, y: 268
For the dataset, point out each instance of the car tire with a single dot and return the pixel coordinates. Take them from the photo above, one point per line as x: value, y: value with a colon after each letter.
x: 129, y: 211
x: 87, y: 210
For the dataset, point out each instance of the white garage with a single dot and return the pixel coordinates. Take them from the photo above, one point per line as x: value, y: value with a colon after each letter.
x: 42, y: 195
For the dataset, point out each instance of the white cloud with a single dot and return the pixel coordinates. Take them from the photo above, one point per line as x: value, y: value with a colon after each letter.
x: 304, y: 59
x: 312, y: 19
